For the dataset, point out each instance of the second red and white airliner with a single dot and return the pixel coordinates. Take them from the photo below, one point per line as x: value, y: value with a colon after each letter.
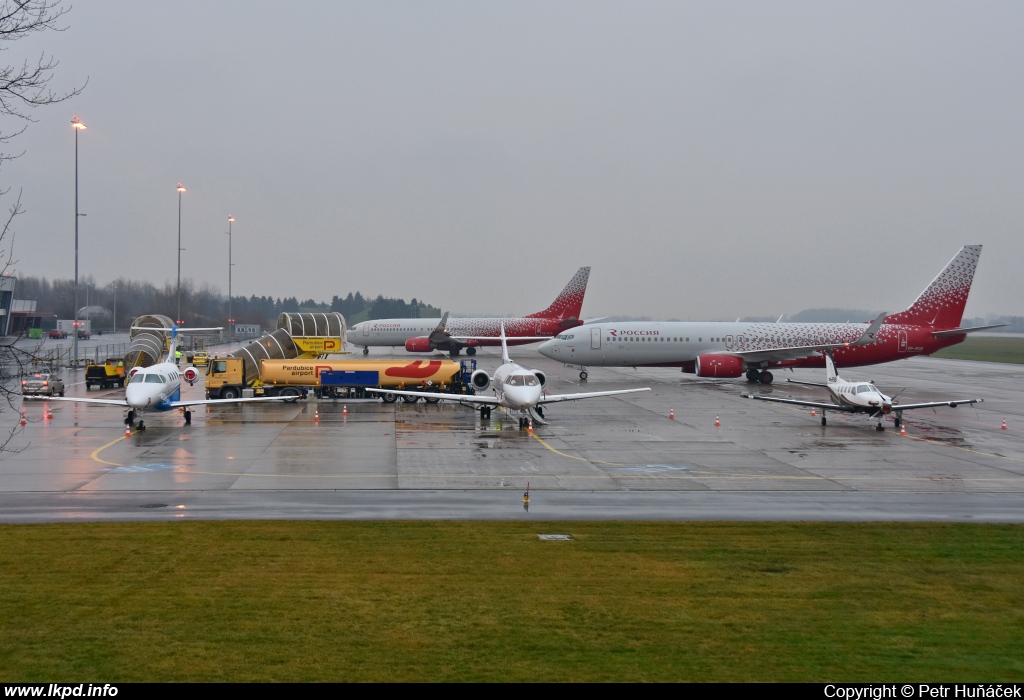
x: 451, y: 335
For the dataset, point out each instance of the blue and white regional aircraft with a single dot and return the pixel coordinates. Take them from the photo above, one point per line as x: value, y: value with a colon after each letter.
x: 158, y: 388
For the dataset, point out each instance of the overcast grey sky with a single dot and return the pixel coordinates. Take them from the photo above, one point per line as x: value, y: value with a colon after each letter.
x: 707, y: 159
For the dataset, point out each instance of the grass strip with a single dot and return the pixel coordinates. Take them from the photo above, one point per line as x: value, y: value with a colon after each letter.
x: 986, y: 349
x: 488, y: 601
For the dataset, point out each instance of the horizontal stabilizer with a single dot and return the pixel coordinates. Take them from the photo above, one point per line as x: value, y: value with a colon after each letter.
x: 964, y: 331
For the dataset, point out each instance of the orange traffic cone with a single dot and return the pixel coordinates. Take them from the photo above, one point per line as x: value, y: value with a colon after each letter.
x: 529, y: 427
x: 24, y: 419
x: 316, y: 416
x: 1003, y: 428
x: 903, y: 429
x: 718, y: 423
x: 814, y: 411
x: 46, y: 412
x: 671, y: 414
x: 344, y: 410
x: 127, y: 430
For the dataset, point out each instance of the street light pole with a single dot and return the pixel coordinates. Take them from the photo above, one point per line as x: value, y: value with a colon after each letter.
x: 231, y: 320
x: 78, y: 126
x: 177, y: 319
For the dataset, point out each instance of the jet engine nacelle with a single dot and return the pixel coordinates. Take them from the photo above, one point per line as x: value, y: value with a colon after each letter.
x: 190, y: 375
x: 418, y: 345
x: 541, y: 377
x: 726, y: 366
x: 480, y: 379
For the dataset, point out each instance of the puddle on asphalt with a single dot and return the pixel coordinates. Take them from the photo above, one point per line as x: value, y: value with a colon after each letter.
x: 142, y: 468
x: 652, y: 469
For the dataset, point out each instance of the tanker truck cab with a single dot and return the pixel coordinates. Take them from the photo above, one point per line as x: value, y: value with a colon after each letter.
x: 225, y: 378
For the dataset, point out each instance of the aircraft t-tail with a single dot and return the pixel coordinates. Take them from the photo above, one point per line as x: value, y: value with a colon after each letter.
x: 858, y: 397
x: 433, y: 334
x: 726, y: 350
x: 515, y: 388
x: 158, y: 388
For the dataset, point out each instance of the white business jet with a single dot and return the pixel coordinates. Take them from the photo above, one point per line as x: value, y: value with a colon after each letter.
x: 515, y: 389
x: 158, y: 388
x: 859, y: 397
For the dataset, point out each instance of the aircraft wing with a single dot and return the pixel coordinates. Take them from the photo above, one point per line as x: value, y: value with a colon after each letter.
x: 797, y: 381
x: 555, y: 398
x: 214, y: 402
x: 795, y: 402
x: 498, y: 337
x: 105, y: 402
x: 797, y: 351
x: 933, y: 404
x: 461, y: 398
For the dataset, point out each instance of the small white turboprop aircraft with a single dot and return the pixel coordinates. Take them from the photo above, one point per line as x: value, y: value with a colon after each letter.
x: 858, y: 397
x: 158, y: 388
x: 515, y: 388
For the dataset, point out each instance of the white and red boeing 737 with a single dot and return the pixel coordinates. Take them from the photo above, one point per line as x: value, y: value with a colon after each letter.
x: 430, y: 334
x: 723, y: 349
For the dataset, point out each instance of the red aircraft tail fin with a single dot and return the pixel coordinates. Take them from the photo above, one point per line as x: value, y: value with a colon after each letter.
x: 941, y: 305
x: 569, y: 303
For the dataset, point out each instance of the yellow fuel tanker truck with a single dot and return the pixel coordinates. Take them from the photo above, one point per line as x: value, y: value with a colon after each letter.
x: 343, y: 378
x: 351, y: 378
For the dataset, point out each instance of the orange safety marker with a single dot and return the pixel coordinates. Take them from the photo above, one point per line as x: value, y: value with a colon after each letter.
x: 316, y: 416
x: 344, y: 410
x: 718, y: 423
x: 1003, y: 428
x: 24, y: 419
x: 529, y: 428
x: 46, y: 412
x: 814, y: 411
x: 903, y: 429
x: 671, y: 414
x: 127, y: 430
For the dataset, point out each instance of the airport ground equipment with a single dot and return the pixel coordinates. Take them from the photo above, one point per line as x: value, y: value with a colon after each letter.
x: 105, y: 376
x: 346, y: 378
x: 298, y: 336
x: 148, y: 347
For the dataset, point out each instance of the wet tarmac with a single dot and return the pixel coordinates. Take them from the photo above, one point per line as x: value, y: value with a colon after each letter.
x: 619, y: 457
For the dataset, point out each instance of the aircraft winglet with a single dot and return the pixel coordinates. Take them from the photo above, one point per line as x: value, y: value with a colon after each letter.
x: 871, y: 334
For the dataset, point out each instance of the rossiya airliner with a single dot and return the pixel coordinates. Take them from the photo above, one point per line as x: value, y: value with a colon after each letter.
x: 432, y: 334
x: 729, y: 350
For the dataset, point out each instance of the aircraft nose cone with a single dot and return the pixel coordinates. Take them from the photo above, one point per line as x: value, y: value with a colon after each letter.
x: 547, y: 347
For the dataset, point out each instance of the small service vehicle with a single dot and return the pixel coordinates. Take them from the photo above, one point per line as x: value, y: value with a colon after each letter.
x: 105, y: 376
x: 57, y: 333
x: 83, y: 335
x: 200, y: 359
x: 42, y: 384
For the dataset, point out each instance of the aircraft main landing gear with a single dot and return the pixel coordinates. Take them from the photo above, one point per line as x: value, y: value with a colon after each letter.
x: 823, y: 421
x: 366, y: 350
x: 485, y: 413
x: 142, y: 426
x: 583, y: 375
x: 766, y: 377
x: 471, y: 351
x: 539, y: 410
x: 188, y: 417
x: 130, y: 418
x: 880, y: 428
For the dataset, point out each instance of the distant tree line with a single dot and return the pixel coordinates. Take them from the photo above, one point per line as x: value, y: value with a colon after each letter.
x: 200, y: 305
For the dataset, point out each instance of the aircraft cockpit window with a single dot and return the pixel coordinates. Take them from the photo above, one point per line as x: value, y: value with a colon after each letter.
x: 137, y: 379
x: 521, y: 380
x: 153, y: 379
x: 863, y: 389
x: 531, y: 380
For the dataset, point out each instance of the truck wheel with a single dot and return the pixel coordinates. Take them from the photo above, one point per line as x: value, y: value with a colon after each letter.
x: 292, y: 393
x: 410, y: 399
x: 229, y: 393
x: 389, y: 397
x: 432, y: 400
